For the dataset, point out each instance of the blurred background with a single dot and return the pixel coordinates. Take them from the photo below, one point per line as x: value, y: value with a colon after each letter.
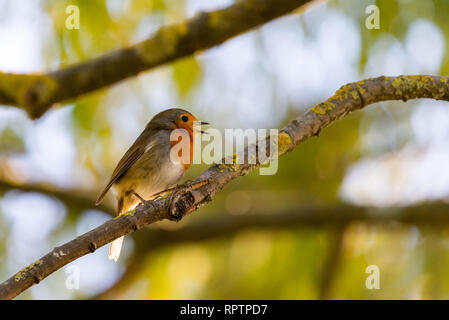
x: 391, y: 154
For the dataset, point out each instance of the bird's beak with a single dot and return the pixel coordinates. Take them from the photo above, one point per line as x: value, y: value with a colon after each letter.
x: 203, y: 123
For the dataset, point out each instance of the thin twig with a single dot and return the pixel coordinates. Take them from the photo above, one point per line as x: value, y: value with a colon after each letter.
x: 332, y: 262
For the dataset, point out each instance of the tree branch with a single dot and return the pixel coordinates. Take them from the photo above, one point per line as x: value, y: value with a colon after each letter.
x: 306, y: 216
x: 36, y: 93
x: 199, y: 192
x: 331, y: 262
x: 74, y: 198
x: 432, y: 214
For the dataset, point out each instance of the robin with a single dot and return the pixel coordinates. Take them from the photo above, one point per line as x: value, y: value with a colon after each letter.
x: 147, y: 168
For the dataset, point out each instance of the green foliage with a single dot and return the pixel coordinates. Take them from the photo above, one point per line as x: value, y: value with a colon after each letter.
x: 186, y: 73
x: 11, y: 141
x: 253, y: 263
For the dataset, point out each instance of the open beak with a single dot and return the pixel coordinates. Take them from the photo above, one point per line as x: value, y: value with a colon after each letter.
x: 201, y: 123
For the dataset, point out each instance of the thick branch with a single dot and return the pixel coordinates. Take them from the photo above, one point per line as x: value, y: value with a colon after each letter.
x: 348, y: 98
x: 37, y: 92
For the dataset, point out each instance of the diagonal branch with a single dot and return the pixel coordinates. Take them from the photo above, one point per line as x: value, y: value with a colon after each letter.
x: 190, y: 197
x: 36, y: 93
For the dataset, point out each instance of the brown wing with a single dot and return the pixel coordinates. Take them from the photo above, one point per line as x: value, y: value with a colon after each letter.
x: 128, y: 159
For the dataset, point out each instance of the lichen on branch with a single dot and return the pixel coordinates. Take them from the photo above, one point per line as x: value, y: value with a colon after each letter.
x: 36, y: 93
x: 199, y: 192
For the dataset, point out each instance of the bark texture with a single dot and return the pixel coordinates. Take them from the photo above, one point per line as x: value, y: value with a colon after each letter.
x: 36, y: 93
x: 199, y: 192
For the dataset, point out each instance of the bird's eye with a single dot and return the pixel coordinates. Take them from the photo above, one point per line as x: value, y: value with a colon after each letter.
x: 184, y: 118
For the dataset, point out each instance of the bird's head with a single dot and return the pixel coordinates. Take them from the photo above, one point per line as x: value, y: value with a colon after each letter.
x: 175, y: 118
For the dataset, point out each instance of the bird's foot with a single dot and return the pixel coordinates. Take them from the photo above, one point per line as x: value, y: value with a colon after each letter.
x: 142, y: 200
x: 165, y: 193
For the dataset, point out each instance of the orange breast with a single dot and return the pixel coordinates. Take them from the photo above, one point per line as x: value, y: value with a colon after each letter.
x: 180, y: 156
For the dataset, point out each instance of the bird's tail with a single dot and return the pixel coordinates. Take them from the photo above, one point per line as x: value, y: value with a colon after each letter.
x: 116, y: 245
x: 115, y: 248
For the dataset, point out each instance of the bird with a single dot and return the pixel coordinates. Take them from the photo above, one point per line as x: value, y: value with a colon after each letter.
x: 147, y: 168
